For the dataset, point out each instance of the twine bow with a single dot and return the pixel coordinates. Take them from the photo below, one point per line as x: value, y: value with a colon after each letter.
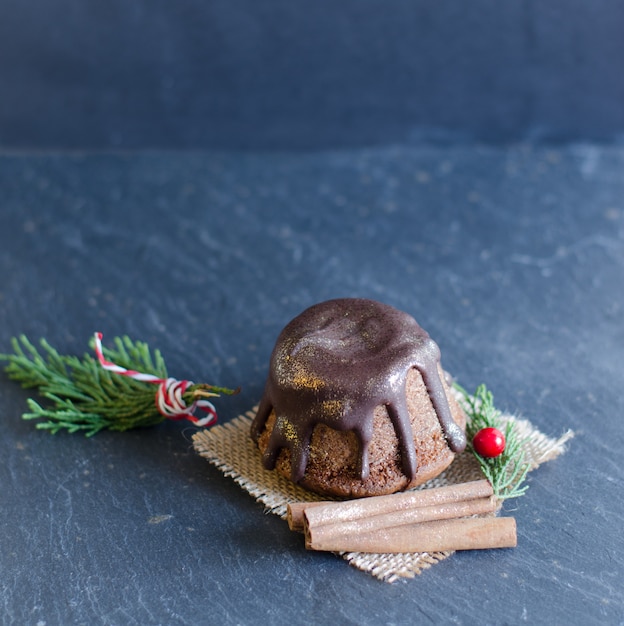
x: 169, y: 397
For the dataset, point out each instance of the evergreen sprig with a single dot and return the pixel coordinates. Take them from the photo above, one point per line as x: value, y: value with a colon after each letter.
x: 507, y: 471
x: 82, y: 396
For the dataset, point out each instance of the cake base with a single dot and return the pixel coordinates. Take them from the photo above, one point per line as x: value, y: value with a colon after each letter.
x: 332, y: 467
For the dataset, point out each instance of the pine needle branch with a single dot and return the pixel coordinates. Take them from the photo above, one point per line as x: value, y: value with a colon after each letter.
x: 82, y: 396
x: 507, y: 471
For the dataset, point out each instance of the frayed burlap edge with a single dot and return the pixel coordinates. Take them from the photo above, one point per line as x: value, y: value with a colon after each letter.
x: 230, y: 448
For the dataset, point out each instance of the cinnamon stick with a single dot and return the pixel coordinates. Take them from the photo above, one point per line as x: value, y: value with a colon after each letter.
x: 321, y: 534
x: 320, y: 513
x: 435, y: 536
x: 294, y: 513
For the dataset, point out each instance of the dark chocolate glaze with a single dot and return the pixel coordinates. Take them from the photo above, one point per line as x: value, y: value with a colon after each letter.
x: 334, y: 364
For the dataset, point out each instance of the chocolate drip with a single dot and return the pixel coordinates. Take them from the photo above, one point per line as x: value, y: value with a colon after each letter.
x: 334, y: 364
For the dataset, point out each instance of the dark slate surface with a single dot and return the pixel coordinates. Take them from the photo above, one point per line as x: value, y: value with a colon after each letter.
x: 513, y: 259
x: 292, y: 74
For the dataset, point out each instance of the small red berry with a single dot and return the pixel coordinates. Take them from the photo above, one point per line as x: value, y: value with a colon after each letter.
x: 489, y: 442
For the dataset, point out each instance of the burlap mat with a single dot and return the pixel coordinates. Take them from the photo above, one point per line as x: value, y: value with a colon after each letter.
x: 230, y: 448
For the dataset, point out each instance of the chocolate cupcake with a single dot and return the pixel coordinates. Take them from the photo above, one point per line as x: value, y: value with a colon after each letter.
x: 356, y: 402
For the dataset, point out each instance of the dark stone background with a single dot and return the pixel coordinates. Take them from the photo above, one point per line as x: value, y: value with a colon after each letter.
x: 308, y: 75
x: 195, y: 174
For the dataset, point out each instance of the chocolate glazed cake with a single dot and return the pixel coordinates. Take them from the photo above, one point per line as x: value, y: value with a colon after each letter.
x: 356, y: 402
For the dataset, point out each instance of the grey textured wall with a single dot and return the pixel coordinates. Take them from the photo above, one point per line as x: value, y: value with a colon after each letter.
x: 292, y: 74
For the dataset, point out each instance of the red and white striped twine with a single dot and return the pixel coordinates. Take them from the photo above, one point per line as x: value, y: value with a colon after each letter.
x: 169, y: 396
